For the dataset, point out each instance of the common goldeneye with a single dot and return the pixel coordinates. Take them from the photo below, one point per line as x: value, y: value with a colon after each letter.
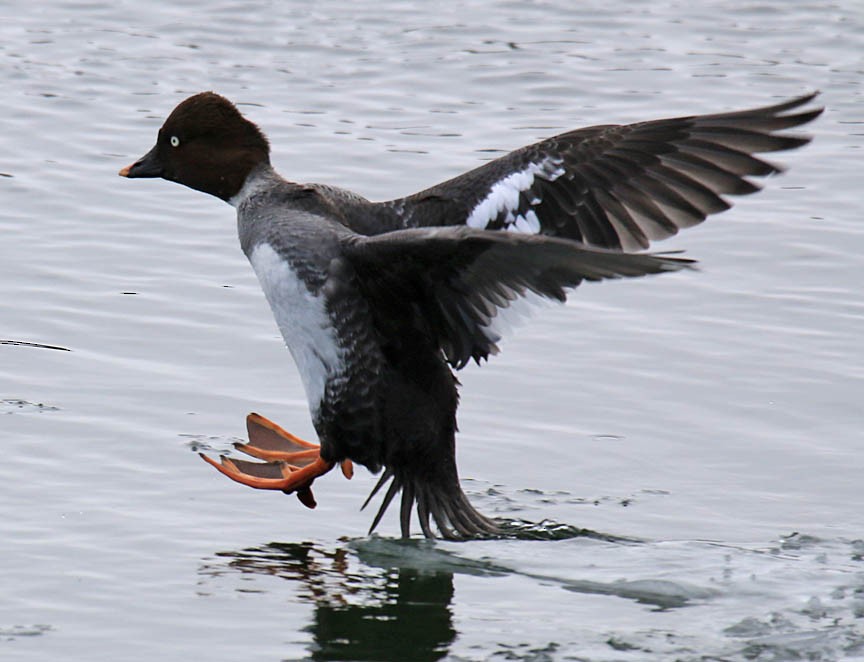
x: 378, y: 304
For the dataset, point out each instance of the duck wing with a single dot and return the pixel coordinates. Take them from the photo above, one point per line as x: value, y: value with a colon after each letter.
x: 451, y: 284
x: 616, y: 186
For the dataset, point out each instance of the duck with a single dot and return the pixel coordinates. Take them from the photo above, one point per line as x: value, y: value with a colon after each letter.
x: 381, y: 303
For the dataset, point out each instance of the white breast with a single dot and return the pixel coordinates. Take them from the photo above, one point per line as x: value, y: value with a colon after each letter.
x: 302, y: 318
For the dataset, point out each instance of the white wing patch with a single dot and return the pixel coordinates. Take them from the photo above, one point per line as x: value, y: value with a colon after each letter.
x: 510, y: 317
x: 303, y: 320
x: 504, y: 197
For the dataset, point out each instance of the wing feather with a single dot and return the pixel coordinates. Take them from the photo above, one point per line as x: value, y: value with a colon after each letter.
x: 450, y: 284
x: 616, y: 186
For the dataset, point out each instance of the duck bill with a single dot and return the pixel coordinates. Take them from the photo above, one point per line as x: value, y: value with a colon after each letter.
x: 148, y: 165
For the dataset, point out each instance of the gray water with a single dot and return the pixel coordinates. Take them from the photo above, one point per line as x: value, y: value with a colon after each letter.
x: 709, y: 423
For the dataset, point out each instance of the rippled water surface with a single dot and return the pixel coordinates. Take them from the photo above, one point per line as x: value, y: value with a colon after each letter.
x: 708, y: 423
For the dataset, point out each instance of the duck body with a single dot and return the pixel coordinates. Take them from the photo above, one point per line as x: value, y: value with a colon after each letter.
x: 378, y: 303
x: 297, y: 255
x: 351, y: 311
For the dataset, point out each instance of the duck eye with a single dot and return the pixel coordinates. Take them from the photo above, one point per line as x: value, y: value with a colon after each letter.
x: 175, y: 141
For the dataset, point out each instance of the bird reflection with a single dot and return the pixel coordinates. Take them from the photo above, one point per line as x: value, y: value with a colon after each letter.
x: 364, y: 609
x: 391, y: 599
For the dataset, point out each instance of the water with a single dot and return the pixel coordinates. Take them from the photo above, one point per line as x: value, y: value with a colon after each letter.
x: 707, y: 424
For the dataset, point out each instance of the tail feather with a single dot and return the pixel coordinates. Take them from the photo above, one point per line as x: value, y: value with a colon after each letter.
x: 446, y: 505
x: 392, y: 491
x: 405, y: 510
x: 387, y: 475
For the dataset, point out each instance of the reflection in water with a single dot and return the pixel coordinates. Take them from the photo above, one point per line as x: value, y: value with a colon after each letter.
x: 379, y: 598
x: 377, y: 612
x: 411, y: 619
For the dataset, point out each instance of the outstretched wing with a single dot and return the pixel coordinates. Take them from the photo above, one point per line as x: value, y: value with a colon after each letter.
x: 616, y: 186
x: 451, y: 283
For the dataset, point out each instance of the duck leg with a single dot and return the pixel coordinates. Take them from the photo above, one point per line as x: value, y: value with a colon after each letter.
x: 292, y: 464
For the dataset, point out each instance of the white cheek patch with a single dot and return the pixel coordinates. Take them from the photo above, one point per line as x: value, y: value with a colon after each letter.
x: 303, y: 321
x: 504, y: 197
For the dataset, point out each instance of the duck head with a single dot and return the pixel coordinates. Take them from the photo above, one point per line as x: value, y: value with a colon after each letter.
x: 205, y: 144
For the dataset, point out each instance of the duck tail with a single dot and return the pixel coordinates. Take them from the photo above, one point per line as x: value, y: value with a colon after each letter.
x: 440, y: 501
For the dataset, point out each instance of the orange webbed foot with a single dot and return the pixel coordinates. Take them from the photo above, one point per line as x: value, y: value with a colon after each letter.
x: 292, y: 464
